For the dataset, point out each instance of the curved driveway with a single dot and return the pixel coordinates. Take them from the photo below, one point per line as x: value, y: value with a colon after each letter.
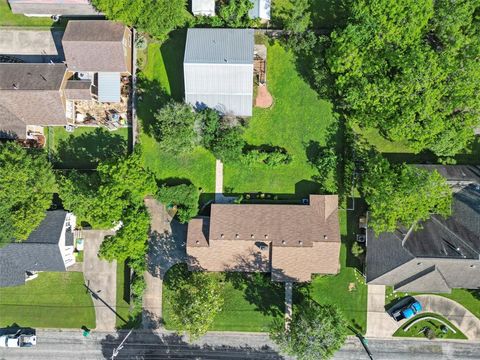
x: 468, y: 323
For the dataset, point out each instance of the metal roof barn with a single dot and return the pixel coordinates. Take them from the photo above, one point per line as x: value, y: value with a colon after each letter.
x: 218, y: 70
x: 109, y: 87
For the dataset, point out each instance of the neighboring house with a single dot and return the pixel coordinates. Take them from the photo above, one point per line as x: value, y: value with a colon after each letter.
x: 48, y: 248
x: 443, y: 253
x: 53, y: 7
x: 31, y: 96
x: 91, y: 89
x: 261, y: 10
x: 203, y: 7
x: 218, y: 70
x: 292, y: 242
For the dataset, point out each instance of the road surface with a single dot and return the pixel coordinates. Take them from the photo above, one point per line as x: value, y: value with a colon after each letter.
x: 148, y: 345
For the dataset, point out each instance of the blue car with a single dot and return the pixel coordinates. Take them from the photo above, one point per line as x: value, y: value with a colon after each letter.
x: 407, y: 311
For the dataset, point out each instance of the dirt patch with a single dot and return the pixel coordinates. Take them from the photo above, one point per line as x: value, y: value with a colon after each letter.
x: 264, y: 99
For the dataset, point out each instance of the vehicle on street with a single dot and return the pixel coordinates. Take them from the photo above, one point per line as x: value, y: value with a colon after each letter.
x: 410, y: 309
x: 18, y: 340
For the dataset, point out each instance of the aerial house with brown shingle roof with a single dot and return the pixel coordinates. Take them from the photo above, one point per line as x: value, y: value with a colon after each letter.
x: 292, y: 242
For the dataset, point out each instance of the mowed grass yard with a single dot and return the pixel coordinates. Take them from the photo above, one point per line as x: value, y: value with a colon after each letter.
x: 85, y: 147
x: 297, y: 118
x: 52, y: 300
x: 249, y: 305
x: 347, y: 289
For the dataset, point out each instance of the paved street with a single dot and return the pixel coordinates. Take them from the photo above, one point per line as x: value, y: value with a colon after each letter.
x: 148, y: 345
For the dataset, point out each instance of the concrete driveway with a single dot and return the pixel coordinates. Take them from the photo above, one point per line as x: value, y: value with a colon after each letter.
x: 379, y: 323
x: 166, y: 248
x: 468, y: 323
x: 34, y: 46
x: 101, y: 278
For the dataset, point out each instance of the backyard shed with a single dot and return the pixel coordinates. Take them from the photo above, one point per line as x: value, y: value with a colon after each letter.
x: 203, y: 7
x: 218, y: 70
x: 260, y: 10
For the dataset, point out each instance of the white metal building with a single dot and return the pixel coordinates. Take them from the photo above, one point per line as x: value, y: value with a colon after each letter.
x: 218, y: 70
x: 203, y: 7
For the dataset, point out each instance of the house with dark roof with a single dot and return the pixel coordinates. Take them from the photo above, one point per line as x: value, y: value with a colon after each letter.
x: 91, y: 88
x: 442, y: 254
x: 53, y: 7
x: 291, y: 242
x: 48, y: 248
x: 218, y: 70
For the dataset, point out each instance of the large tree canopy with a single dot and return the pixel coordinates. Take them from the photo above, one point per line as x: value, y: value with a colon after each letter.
x: 155, y: 17
x: 26, y: 189
x: 402, y: 194
x: 410, y: 69
x: 315, y: 331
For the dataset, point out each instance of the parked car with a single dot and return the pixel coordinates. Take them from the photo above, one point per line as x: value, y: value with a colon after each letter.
x: 18, y: 340
x: 410, y: 309
x: 362, y: 229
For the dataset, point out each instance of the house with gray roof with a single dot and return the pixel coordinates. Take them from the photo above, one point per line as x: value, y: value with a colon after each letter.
x: 218, y: 70
x: 48, y: 248
x: 442, y: 254
x: 53, y: 7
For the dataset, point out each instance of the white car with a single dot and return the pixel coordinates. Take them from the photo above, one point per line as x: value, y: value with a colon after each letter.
x: 18, y: 340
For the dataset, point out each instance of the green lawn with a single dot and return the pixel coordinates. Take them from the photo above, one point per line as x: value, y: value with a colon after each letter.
x: 416, y: 330
x: 297, y: 120
x: 85, y: 147
x: 249, y: 306
x: 7, y: 18
x: 163, y: 78
x: 53, y: 300
x: 468, y: 298
x: 399, y: 151
x: 347, y: 289
x: 122, y: 306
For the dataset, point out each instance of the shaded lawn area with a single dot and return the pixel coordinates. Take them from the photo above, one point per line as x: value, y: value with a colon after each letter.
x: 325, y: 14
x: 7, y: 18
x: 399, y: 151
x: 52, y: 300
x: 252, y: 302
x: 347, y: 289
x: 86, y: 146
x: 416, y: 329
x: 298, y: 117
x: 123, y: 300
x: 468, y: 298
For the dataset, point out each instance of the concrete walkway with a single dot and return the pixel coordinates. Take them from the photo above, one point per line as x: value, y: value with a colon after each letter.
x: 166, y: 248
x: 219, y: 197
x: 379, y: 323
x: 101, y: 278
x: 458, y: 315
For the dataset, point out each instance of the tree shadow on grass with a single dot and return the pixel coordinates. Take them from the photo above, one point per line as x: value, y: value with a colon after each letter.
x: 87, y: 150
x: 151, y: 97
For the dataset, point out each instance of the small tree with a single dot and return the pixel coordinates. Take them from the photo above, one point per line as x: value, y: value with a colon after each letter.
x: 315, y: 331
x: 229, y: 145
x: 175, y: 127
x: 197, y: 298
x: 26, y: 190
x: 184, y: 197
x: 358, y: 250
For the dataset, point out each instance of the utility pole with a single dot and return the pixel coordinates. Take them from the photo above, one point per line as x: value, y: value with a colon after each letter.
x: 120, y: 347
